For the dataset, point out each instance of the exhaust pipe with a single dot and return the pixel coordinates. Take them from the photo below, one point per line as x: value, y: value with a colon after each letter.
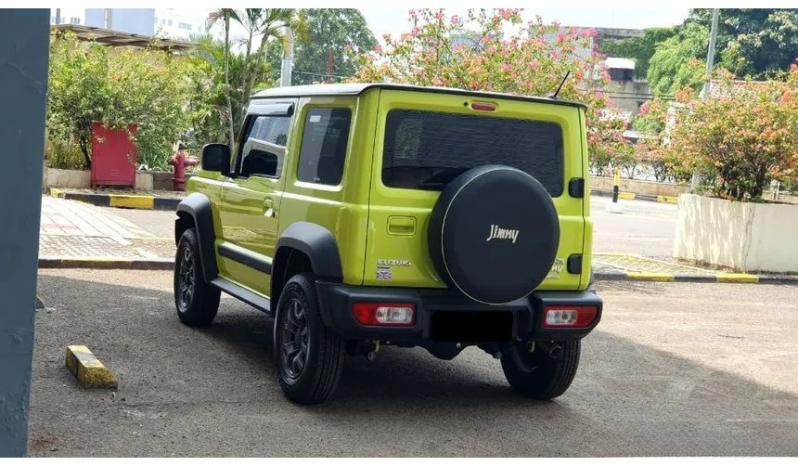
x: 552, y: 349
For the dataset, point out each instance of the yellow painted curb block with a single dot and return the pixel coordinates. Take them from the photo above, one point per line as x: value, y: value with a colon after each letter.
x: 737, y: 278
x: 668, y: 199
x: 651, y: 276
x: 87, y: 369
x: 55, y: 192
x: 626, y: 196
x: 131, y: 201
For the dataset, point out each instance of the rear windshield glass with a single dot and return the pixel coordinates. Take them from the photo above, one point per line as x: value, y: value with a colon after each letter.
x: 426, y: 150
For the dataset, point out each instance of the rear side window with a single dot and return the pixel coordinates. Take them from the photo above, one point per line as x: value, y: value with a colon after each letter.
x: 324, y: 143
x: 426, y: 150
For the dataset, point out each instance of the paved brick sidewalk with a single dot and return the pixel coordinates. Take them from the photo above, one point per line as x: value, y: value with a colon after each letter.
x: 635, y: 263
x: 71, y: 229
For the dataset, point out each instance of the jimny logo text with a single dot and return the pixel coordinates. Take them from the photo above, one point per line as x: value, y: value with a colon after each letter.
x: 502, y: 233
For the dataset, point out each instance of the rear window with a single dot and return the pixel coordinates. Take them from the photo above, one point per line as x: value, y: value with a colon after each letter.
x: 426, y: 150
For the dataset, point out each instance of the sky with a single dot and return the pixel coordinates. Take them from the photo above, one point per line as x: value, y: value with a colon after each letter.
x: 394, y: 20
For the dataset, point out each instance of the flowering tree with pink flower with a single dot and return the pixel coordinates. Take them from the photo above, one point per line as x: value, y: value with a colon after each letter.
x: 741, y: 138
x: 479, y: 53
x: 649, y: 151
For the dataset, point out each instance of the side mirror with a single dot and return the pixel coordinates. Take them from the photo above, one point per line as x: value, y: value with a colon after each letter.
x: 216, y: 158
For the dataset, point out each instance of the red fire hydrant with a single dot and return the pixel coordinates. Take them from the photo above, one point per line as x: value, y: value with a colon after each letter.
x: 179, y: 161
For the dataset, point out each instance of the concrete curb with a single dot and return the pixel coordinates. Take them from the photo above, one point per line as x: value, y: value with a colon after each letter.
x: 691, y: 278
x: 128, y: 201
x: 105, y: 263
x: 87, y: 369
x: 633, y: 196
x: 168, y: 264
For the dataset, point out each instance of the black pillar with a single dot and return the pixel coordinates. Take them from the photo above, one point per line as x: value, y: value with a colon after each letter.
x: 24, y: 56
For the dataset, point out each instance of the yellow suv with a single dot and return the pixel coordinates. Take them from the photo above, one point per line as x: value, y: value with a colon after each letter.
x: 366, y: 215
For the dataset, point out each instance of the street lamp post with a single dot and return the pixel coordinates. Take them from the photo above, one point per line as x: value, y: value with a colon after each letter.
x: 288, y: 57
x: 713, y: 36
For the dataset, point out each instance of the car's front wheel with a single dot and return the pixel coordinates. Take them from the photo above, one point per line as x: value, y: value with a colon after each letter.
x: 537, y: 374
x: 309, y: 356
x: 197, y: 302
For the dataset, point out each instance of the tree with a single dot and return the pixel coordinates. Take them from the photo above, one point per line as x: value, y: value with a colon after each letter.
x: 527, y: 63
x: 329, y: 31
x: 208, y: 107
x: 741, y: 139
x: 759, y: 43
x: 754, y: 43
x: 675, y: 63
x: 651, y: 123
x: 90, y: 82
x: 639, y: 49
x: 226, y: 15
x: 263, y: 24
x: 273, y: 25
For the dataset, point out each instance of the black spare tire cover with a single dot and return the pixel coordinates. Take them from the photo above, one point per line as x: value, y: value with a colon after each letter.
x: 494, y: 234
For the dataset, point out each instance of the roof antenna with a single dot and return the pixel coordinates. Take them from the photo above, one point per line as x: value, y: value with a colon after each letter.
x: 554, y: 96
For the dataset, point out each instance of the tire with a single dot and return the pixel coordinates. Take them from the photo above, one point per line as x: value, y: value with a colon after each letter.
x: 320, y: 353
x: 538, y: 376
x: 493, y: 234
x: 197, y: 302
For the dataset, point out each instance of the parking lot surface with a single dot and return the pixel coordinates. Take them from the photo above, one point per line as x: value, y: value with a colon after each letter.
x: 673, y: 370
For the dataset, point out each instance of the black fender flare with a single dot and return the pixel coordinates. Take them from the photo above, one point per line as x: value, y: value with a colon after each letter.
x: 316, y: 242
x: 198, y: 208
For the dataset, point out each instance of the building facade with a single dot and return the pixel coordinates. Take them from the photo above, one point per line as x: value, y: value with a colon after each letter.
x: 162, y: 22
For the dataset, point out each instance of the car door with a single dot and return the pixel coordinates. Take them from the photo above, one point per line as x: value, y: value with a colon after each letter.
x: 250, y: 207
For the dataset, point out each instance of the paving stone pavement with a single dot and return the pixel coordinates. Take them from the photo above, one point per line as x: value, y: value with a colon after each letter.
x: 71, y: 229
x: 625, y: 263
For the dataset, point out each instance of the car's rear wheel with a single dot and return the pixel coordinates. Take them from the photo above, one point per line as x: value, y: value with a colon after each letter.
x: 309, y: 356
x: 538, y: 375
x: 197, y: 301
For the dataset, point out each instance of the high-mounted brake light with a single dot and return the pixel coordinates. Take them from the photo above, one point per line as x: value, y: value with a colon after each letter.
x: 385, y: 314
x: 484, y: 106
x: 569, y: 316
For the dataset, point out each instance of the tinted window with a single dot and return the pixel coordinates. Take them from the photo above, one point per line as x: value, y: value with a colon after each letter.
x: 426, y: 150
x: 324, y: 144
x: 264, y: 149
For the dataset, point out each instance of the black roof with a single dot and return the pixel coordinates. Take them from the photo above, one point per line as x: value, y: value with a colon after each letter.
x: 359, y: 88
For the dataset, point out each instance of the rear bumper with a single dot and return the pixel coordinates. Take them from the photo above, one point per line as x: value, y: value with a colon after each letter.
x: 337, y: 301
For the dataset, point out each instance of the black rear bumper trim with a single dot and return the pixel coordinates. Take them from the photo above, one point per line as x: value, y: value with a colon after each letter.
x: 337, y: 301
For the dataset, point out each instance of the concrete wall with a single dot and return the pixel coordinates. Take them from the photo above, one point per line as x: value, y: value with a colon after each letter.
x: 603, y: 183
x: 743, y: 236
x: 628, y: 96
x: 81, y: 179
x: 162, y: 181
x: 68, y: 179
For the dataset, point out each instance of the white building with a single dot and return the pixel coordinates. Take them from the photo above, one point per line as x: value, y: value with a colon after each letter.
x: 180, y: 23
x: 169, y: 23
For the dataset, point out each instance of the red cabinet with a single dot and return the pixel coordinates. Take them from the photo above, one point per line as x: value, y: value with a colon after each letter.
x: 113, y: 157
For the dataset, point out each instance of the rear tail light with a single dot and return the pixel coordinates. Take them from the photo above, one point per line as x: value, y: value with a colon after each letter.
x: 569, y: 316
x: 385, y: 314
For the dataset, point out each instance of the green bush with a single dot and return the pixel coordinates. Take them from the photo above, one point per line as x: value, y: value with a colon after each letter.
x: 64, y: 155
x: 90, y: 82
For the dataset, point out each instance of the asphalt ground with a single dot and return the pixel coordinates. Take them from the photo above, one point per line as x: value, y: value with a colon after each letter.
x: 674, y: 369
